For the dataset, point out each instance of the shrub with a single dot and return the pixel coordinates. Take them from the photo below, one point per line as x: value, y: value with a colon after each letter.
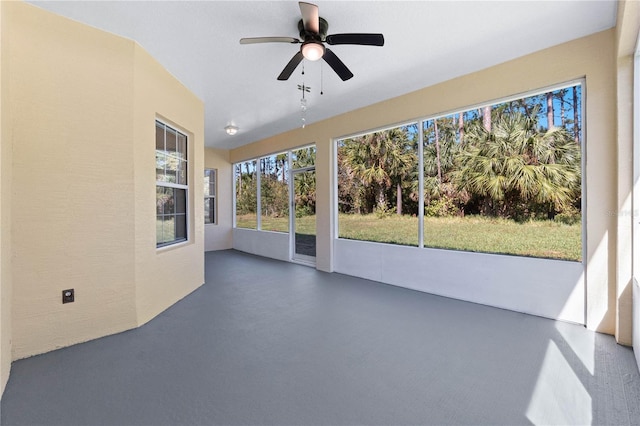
x: 383, y: 211
x: 304, y: 210
x: 569, y: 216
x: 441, y: 207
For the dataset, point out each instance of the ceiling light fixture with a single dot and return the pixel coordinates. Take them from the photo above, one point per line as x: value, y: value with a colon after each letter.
x: 312, y: 50
x: 231, y: 130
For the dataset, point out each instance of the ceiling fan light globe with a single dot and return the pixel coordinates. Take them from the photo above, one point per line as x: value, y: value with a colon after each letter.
x: 312, y: 51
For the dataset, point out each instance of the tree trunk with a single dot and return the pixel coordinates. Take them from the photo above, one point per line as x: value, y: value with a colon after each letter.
x: 563, y: 119
x: 284, y: 171
x: 525, y: 106
x: 435, y: 126
x: 486, y: 118
x: 550, y: 123
x: 461, y: 127
x: 576, y: 128
x: 382, y: 202
x: 399, y: 199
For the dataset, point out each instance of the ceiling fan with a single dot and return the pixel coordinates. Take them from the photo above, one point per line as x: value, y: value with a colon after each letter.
x: 313, y: 36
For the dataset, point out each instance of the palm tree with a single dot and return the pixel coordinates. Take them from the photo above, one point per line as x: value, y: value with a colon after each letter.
x: 576, y: 127
x: 516, y: 167
x: 305, y: 193
x: 379, y: 160
x: 440, y: 151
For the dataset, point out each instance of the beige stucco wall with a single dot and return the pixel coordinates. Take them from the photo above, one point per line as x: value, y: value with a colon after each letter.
x: 5, y: 212
x: 166, y: 275
x: 70, y: 91
x: 218, y: 236
x: 592, y: 57
x: 82, y: 109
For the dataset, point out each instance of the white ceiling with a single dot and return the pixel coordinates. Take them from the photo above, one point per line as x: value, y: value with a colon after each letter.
x: 426, y: 42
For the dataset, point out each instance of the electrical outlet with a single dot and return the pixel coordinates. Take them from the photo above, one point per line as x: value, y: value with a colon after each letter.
x: 68, y: 295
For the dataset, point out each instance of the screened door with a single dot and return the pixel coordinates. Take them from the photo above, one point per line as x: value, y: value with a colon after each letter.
x: 304, y: 215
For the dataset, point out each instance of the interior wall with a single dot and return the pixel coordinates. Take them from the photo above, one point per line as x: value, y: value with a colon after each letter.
x: 274, y: 245
x: 83, y: 105
x: 163, y: 276
x: 71, y: 92
x: 5, y: 210
x: 628, y: 25
x: 592, y: 57
x: 628, y: 266
x: 218, y: 236
x: 543, y: 287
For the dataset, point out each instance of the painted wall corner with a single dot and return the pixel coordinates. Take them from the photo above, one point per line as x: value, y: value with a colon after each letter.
x: 219, y: 236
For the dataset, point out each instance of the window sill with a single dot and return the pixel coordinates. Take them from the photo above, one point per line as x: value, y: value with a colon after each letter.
x: 172, y: 246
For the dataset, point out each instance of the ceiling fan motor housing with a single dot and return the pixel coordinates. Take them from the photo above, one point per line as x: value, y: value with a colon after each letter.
x: 306, y: 35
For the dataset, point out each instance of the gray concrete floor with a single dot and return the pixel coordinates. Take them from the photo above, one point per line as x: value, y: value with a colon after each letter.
x: 268, y: 342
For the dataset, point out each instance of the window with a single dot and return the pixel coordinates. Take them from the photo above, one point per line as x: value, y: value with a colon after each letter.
x: 303, y: 157
x: 506, y: 178
x: 262, y: 190
x: 378, y: 186
x: 503, y: 178
x: 274, y: 193
x: 210, y: 179
x: 171, y: 185
x: 246, y: 183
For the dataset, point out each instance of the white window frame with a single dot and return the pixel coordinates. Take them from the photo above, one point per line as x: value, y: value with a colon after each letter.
x: 289, y: 153
x: 580, y: 81
x: 207, y: 199
x: 185, y: 187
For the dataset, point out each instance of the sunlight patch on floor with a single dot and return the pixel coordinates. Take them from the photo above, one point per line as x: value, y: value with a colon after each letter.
x: 582, y: 344
x: 559, y: 397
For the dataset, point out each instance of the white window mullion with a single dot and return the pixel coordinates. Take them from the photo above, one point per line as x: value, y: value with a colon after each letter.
x: 292, y: 210
x: 258, y: 195
x: 421, y: 184
x: 235, y: 193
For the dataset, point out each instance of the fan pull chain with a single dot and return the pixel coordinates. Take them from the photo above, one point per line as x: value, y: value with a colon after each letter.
x: 321, y: 79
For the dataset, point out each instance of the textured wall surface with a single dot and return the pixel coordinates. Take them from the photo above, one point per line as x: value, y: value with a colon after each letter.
x: 71, y: 93
x: 82, y: 109
x: 166, y: 275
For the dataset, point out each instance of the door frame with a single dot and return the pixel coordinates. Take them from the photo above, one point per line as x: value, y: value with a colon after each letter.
x: 295, y: 257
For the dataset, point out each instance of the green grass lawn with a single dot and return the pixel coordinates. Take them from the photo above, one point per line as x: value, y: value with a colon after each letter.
x: 306, y: 225
x: 277, y: 224
x: 547, y: 239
